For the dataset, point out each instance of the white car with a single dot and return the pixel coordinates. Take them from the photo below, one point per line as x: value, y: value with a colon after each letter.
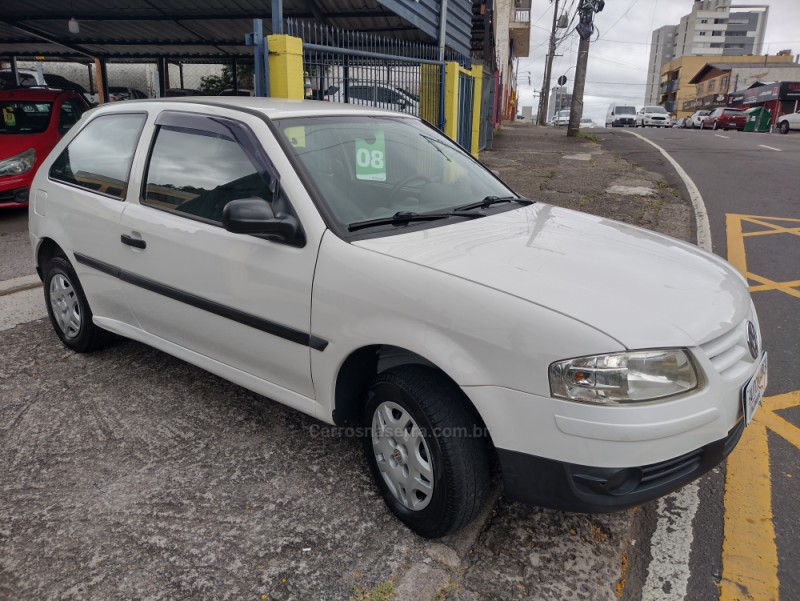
x: 359, y: 266
x: 561, y: 118
x: 695, y: 120
x: 653, y: 116
x: 789, y: 121
x: 586, y: 123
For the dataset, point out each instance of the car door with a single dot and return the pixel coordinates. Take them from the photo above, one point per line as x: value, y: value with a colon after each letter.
x: 241, y: 300
x: 84, y: 201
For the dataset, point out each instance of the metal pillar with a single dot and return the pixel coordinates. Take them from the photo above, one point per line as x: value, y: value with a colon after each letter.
x: 277, y: 16
x: 14, y: 72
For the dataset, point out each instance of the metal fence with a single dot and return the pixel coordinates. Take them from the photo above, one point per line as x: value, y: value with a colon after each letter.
x: 466, y: 93
x: 368, y: 69
x: 488, y: 110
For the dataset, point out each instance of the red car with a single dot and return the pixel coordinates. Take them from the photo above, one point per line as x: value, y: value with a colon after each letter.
x: 724, y: 118
x: 32, y: 121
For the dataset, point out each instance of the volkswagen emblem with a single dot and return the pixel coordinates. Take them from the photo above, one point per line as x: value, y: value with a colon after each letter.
x: 752, y: 339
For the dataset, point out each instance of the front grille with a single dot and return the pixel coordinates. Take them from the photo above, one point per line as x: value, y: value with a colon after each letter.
x: 728, y: 353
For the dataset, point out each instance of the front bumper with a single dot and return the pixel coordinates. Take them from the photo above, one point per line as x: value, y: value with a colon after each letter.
x: 14, y: 197
x: 572, y: 487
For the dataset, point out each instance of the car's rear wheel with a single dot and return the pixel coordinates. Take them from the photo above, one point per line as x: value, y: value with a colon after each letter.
x: 68, y: 308
x: 425, y: 450
x: 784, y: 127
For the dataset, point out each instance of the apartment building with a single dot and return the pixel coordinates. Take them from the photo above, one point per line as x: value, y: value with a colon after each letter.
x: 712, y: 28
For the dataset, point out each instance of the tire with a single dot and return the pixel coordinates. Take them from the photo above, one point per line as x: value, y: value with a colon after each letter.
x: 452, y: 469
x: 784, y: 127
x: 69, y: 310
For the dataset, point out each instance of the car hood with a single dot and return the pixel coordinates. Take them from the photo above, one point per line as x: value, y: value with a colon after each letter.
x: 641, y: 288
x: 13, y: 144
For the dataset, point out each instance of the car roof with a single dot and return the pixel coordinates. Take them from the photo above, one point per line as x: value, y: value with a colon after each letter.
x: 272, y: 108
x: 34, y: 94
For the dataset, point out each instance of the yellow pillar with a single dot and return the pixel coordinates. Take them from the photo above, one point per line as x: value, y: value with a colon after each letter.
x: 477, y: 75
x: 451, y: 71
x: 285, y: 67
x: 429, y: 94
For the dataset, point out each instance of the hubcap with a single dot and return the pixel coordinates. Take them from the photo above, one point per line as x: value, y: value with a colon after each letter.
x: 65, y: 306
x: 402, y: 455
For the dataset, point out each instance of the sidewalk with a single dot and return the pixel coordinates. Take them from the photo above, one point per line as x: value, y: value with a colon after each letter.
x: 543, y: 164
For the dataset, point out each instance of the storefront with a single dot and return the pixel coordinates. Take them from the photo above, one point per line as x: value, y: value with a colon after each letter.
x: 779, y: 98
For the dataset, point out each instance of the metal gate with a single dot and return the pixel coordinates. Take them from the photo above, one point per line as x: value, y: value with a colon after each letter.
x: 487, y: 111
x: 466, y: 93
x: 367, y: 69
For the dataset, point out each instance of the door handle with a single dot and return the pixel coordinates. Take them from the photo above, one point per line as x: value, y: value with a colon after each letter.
x: 131, y: 241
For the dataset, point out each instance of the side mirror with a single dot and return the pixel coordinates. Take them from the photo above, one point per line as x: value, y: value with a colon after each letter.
x: 254, y: 216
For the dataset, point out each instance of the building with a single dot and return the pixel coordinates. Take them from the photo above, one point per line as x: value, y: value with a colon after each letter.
x: 717, y: 83
x: 779, y: 98
x: 676, y: 93
x: 712, y: 28
x: 560, y: 100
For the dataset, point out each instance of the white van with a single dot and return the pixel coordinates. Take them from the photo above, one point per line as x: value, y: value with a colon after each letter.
x: 621, y: 115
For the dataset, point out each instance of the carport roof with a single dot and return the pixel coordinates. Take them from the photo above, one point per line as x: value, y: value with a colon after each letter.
x: 201, y: 29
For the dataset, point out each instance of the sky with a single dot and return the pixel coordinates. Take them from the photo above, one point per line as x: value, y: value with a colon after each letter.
x: 617, y: 68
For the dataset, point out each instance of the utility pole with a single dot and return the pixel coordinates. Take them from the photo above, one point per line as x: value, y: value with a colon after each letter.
x: 585, y: 30
x: 548, y: 67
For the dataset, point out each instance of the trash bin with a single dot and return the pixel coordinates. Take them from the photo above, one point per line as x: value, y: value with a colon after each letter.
x: 758, y: 119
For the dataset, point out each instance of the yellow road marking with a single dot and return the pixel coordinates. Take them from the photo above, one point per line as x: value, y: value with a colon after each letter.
x: 737, y: 254
x: 749, y: 551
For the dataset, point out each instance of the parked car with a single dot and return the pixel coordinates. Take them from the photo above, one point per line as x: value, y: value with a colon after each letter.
x: 653, y: 116
x: 682, y: 123
x: 378, y: 95
x: 26, y: 79
x: 696, y: 119
x: 32, y: 121
x: 789, y: 121
x: 586, y: 122
x: 239, y: 92
x: 119, y: 93
x: 361, y: 267
x: 621, y: 115
x: 561, y: 118
x: 181, y: 92
x: 724, y: 118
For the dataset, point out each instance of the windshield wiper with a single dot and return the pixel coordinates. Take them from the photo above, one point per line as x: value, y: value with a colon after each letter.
x: 488, y: 201
x: 403, y: 217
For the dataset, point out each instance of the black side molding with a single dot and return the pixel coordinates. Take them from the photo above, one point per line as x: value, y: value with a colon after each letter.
x: 270, y: 327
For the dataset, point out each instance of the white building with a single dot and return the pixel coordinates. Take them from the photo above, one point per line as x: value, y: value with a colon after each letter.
x: 714, y: 27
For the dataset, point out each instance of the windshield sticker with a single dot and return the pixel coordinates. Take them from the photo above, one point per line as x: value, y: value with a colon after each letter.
x: 296, y: 136
x: 371, y: 158
x: 8, y: 116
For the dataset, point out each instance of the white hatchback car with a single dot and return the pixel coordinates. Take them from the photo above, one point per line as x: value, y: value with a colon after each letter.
x: 359, y: 266
x: 653, y: 116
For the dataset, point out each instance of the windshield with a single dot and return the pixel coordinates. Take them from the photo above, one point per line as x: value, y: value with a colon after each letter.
x: 24, y: 116
x: 625, y: 110
x: 368, y: 168
x: 655, y: 109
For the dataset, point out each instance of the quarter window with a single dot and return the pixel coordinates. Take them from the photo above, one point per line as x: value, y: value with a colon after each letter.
x: 99, y: 158
x: 198, y: 173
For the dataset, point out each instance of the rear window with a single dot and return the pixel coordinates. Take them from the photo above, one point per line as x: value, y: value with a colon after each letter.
x: 24, y: 116
x: 733, y: 112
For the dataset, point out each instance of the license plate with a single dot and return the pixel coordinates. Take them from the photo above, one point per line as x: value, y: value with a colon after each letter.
x: 753, y: 391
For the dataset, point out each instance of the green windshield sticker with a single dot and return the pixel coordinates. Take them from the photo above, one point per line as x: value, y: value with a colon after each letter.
x: 8, y: 116
x: 371, y: 159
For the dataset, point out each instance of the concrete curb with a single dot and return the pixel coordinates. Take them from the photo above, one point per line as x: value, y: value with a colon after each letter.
x: 19, y: 284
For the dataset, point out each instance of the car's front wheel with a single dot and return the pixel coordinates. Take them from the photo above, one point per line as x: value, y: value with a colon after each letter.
x: 426, y: 450
x: 68, y: 308
x: 784, y: 127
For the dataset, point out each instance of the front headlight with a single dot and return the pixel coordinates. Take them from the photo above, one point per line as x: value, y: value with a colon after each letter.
x: 18, y: 164
x: 627, y: 377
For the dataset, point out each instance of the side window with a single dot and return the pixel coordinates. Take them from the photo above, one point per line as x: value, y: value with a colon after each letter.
x: 99, y: 158
x: 198, y: 173
x: 362, y: 92
x: 387, y: 95
x: 69, y: 114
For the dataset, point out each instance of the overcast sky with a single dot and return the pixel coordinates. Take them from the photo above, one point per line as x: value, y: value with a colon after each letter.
x: 618, y: 60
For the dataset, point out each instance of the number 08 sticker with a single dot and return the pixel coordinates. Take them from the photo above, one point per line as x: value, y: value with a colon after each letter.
x: 371, y: 159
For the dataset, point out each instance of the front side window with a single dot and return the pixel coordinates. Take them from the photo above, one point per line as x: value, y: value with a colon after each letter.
x: 100, y: 156
x: 368, y: 168
x: 198, y: 173
x: 24, y: 116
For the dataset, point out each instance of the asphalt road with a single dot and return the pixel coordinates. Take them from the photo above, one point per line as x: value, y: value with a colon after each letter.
x: 750, y: 185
